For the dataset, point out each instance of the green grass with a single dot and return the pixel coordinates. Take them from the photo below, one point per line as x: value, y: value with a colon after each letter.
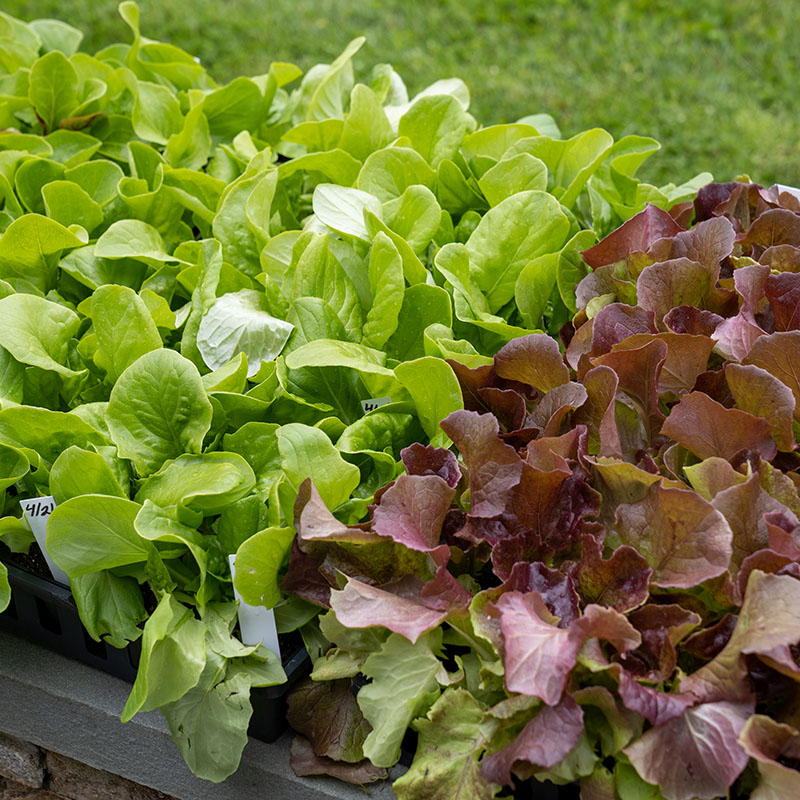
x: 715, y: 81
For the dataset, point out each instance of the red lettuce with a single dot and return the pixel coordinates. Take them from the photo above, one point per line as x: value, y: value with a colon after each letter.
x: 607, y: 567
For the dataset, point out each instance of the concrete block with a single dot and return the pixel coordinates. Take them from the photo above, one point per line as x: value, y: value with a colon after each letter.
x: 74, y: 780
x: 71, y: 709
x: 11, y: 790
x: 21, y: 762
x: 41, y: 795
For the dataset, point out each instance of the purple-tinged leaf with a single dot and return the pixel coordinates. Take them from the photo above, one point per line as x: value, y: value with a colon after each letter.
x: 597, y: 413
x: 655, y: 706
x: 304, y: 579
x: 687, y: 357
x: 763, y: 395
x: 620, y: 582
x: 661, y: 627
x: 507, y: 405
x: 360, y: 605
x: 706, y: 428
x: 554, y: 452
x: 304, y: 762
x: 783, y: 293
x: 637, y: 234
x: 710, y: 196
x: 595, y: 284
x: 781, y: 258
x: 315, y: 523
x: 412, y: 511
x: 535, y: 360
x: 549, y: 508
x: 667, y: 284
x: 675, y: 620
x: 744, y: 506
x: 454, y: 522
x: 766, y: 560
x: 786, y: 199
x: 619, y: 482
x: 521, y: 438
x: 736, y: 335
x: 784, y: 534
x: 540, y: 656
x: 444, y: 593
x: 769, y: 623
x: 709, y: 642
x: 616, y: 322
x: 777, y: 354
x: 327, y: 715
x: 674, y: 459
x: 639, y: 371
x: 554, y: 406
x: 556, y: 589
x: 358, y: 553
x: 683, y: 537
x: 750, y: 282
x: 708, y: 243
x: 774, y: 746
x: 494, y: 467
x: 721, y: 591
x: 773, y: 227
x: 604, y: 282
x: 745, y: 202
x: 579, y: 348
x: 420, y: 459
x: 779, y: 485
x: 696, y: 755
x: 544, y: 742
x: 776, y: 670
x: 682, y: 213
x: 691, y: 320
x: 470, y: 381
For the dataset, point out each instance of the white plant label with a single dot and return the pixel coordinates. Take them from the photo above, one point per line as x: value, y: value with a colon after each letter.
x: 37, y: 511
x: 256, y: 623
x: 791, y: 189
x: 374, y: 402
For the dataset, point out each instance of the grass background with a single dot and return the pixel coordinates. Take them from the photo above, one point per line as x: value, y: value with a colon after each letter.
x: 715, y: 81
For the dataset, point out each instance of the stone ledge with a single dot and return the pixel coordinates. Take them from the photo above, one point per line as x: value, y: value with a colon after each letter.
x: 71, y: 709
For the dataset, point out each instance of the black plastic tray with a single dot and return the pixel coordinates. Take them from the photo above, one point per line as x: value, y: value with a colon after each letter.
x: 44, y: 612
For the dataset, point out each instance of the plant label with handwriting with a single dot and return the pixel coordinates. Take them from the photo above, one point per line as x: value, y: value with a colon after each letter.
x: 374, y: 402
x: 37, y: 510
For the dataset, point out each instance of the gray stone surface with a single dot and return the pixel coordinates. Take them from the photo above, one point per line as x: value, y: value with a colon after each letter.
x: 11, y: 790
x: 21, y: 762
x: 74, y: 780
x: 74, y: 710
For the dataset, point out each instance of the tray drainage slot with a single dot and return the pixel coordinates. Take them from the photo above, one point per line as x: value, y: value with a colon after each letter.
x: 97, y: 649
x: 11, y: 608
x: 48, y: 617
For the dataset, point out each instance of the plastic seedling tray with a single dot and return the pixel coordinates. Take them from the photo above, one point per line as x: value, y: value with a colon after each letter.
x: 44, y: 612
